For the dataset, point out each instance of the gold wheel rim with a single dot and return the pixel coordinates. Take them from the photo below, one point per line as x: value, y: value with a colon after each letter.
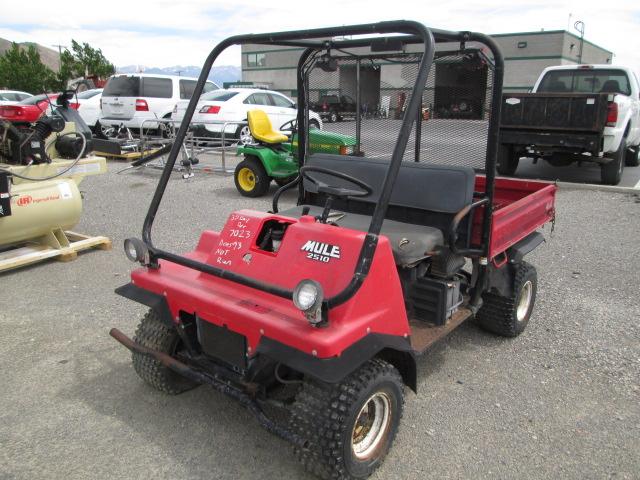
x: 246, y: 179
x: 371, y: 426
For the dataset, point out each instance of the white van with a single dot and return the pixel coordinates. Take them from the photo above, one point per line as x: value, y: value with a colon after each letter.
x: 132, y: 99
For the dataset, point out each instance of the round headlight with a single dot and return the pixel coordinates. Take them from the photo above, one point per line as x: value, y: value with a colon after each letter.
x: 308, y: 297
x: 135, y: 249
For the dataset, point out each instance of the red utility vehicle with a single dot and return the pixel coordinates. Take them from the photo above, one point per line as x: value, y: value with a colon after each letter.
x: 323, y: 308
x: 31, y: 109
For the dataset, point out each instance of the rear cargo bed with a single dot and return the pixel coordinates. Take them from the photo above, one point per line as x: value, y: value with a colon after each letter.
x: 520, y: 208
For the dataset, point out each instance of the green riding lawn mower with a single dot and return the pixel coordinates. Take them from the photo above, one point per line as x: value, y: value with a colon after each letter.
x: 273, y: 155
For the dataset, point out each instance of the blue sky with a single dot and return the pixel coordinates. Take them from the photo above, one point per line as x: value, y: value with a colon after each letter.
x: 168, y: 32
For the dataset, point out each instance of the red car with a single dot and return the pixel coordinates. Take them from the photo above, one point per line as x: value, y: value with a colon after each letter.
x: 31, y: 109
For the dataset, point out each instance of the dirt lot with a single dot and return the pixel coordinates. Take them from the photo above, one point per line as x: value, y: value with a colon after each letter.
x: 562, y: 400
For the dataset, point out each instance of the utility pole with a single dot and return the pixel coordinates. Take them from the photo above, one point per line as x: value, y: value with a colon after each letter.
x: 60, y: 47
x: 579, y: 26
x: 179, y: 72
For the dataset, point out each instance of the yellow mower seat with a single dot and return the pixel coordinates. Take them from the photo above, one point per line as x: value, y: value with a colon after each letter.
x: 261, y: 128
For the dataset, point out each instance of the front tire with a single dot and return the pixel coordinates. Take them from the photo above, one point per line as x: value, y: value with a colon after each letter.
x: 350, y: 426
x: 251, y: 178
x: 154, y: 334
x: 508, y: 316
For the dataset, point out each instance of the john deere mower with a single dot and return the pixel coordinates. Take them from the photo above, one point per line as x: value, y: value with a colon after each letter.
x: 274, y: 155
x: 322, y: 309
x: 41, y: 166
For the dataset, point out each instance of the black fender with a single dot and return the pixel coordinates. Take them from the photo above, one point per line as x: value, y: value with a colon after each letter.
x: 150, y: 299
x: 516, y: 253
x: 501, y: 279
x: 394, y: 349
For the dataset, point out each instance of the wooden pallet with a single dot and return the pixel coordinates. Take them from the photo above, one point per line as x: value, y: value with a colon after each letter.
x: 58, y: 244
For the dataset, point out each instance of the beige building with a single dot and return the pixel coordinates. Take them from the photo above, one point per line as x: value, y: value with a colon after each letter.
x: 526, y: 55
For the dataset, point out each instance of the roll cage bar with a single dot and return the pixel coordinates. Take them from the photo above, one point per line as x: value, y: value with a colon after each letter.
x: 314, y: 40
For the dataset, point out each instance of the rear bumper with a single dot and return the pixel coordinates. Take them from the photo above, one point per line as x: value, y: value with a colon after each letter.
x: 554, y: 141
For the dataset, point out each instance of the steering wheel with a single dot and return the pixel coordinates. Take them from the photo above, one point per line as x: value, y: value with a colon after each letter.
x: 333, y: 192
x: 291, y: 126
x: 340, y: 192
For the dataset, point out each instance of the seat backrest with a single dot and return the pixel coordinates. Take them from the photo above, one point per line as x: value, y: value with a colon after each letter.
x: 443, y: 189
x: 610, y: 86
x: 260, y: 126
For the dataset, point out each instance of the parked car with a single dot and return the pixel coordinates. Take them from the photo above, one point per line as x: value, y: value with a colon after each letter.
x: 232, y: 105
x: 31, y: 109
x: 575, y: 113
x: 89, y: 106
x: 134, y: 99
x: 11, y: 97
x: 334, y: 108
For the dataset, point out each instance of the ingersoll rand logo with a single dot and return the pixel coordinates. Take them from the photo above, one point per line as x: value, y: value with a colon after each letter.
x: 24, y: 200
x: 322, y: 252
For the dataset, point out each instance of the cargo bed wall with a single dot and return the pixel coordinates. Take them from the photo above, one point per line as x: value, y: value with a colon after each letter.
x: 520, y: 208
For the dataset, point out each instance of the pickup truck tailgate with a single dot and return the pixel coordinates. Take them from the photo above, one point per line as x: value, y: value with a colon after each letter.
x: 555, y: 111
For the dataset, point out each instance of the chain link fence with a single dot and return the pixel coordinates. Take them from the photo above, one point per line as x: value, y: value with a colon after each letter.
x: 367, y: 96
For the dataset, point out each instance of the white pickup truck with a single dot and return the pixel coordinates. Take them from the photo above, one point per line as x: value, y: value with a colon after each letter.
x: 575, y: 113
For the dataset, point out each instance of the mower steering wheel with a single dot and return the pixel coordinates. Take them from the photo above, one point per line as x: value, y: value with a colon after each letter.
x: 291, y: 125
x: 340, y: 192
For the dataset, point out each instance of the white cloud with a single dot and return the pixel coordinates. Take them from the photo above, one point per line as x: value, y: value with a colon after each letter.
x: 170, y: 32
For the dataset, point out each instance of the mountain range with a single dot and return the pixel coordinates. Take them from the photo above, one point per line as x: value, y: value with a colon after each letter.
x: 48, y: 56
x: 219, y: 75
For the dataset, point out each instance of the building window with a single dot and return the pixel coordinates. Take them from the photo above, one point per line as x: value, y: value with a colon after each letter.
x: 256, y: 60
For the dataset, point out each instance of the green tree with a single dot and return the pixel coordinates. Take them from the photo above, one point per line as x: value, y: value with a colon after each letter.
x: 83, y: 60
x: 22, y: 69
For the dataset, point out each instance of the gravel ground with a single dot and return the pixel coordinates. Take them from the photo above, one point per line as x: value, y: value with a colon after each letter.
x: 560, y: 401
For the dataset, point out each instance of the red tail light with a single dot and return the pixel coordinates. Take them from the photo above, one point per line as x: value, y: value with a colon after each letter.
x: 324, y: 107
x: 10, y: 111
x: 612, y: 114
x: 75, y: 106
x: 210, y: 109
x: 141, y: 105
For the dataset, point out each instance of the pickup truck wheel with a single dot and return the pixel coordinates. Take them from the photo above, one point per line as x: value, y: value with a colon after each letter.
x: 348, y: 427
x: 251, y: 178
x: 508, y: 160
x: 508, y: 316
x: 153, y: 333
x: 632, y: 158
x: 611, y: 173
x: 333, y: 117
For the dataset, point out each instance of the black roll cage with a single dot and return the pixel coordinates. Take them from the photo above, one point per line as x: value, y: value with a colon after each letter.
x: 315, y: 40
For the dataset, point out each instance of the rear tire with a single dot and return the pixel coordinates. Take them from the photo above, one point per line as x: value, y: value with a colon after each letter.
x: 508, y: 316
x: 314, y: 124
x: 508, y: 160
x: 350, y: 426
x: 632, y: 158
x: 333, y: 117
x: 154, y: 334
x: 251, y: 178
x: 611, y: 173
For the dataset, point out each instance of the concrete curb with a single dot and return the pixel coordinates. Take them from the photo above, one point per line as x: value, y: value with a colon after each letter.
x: 600, y: 188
